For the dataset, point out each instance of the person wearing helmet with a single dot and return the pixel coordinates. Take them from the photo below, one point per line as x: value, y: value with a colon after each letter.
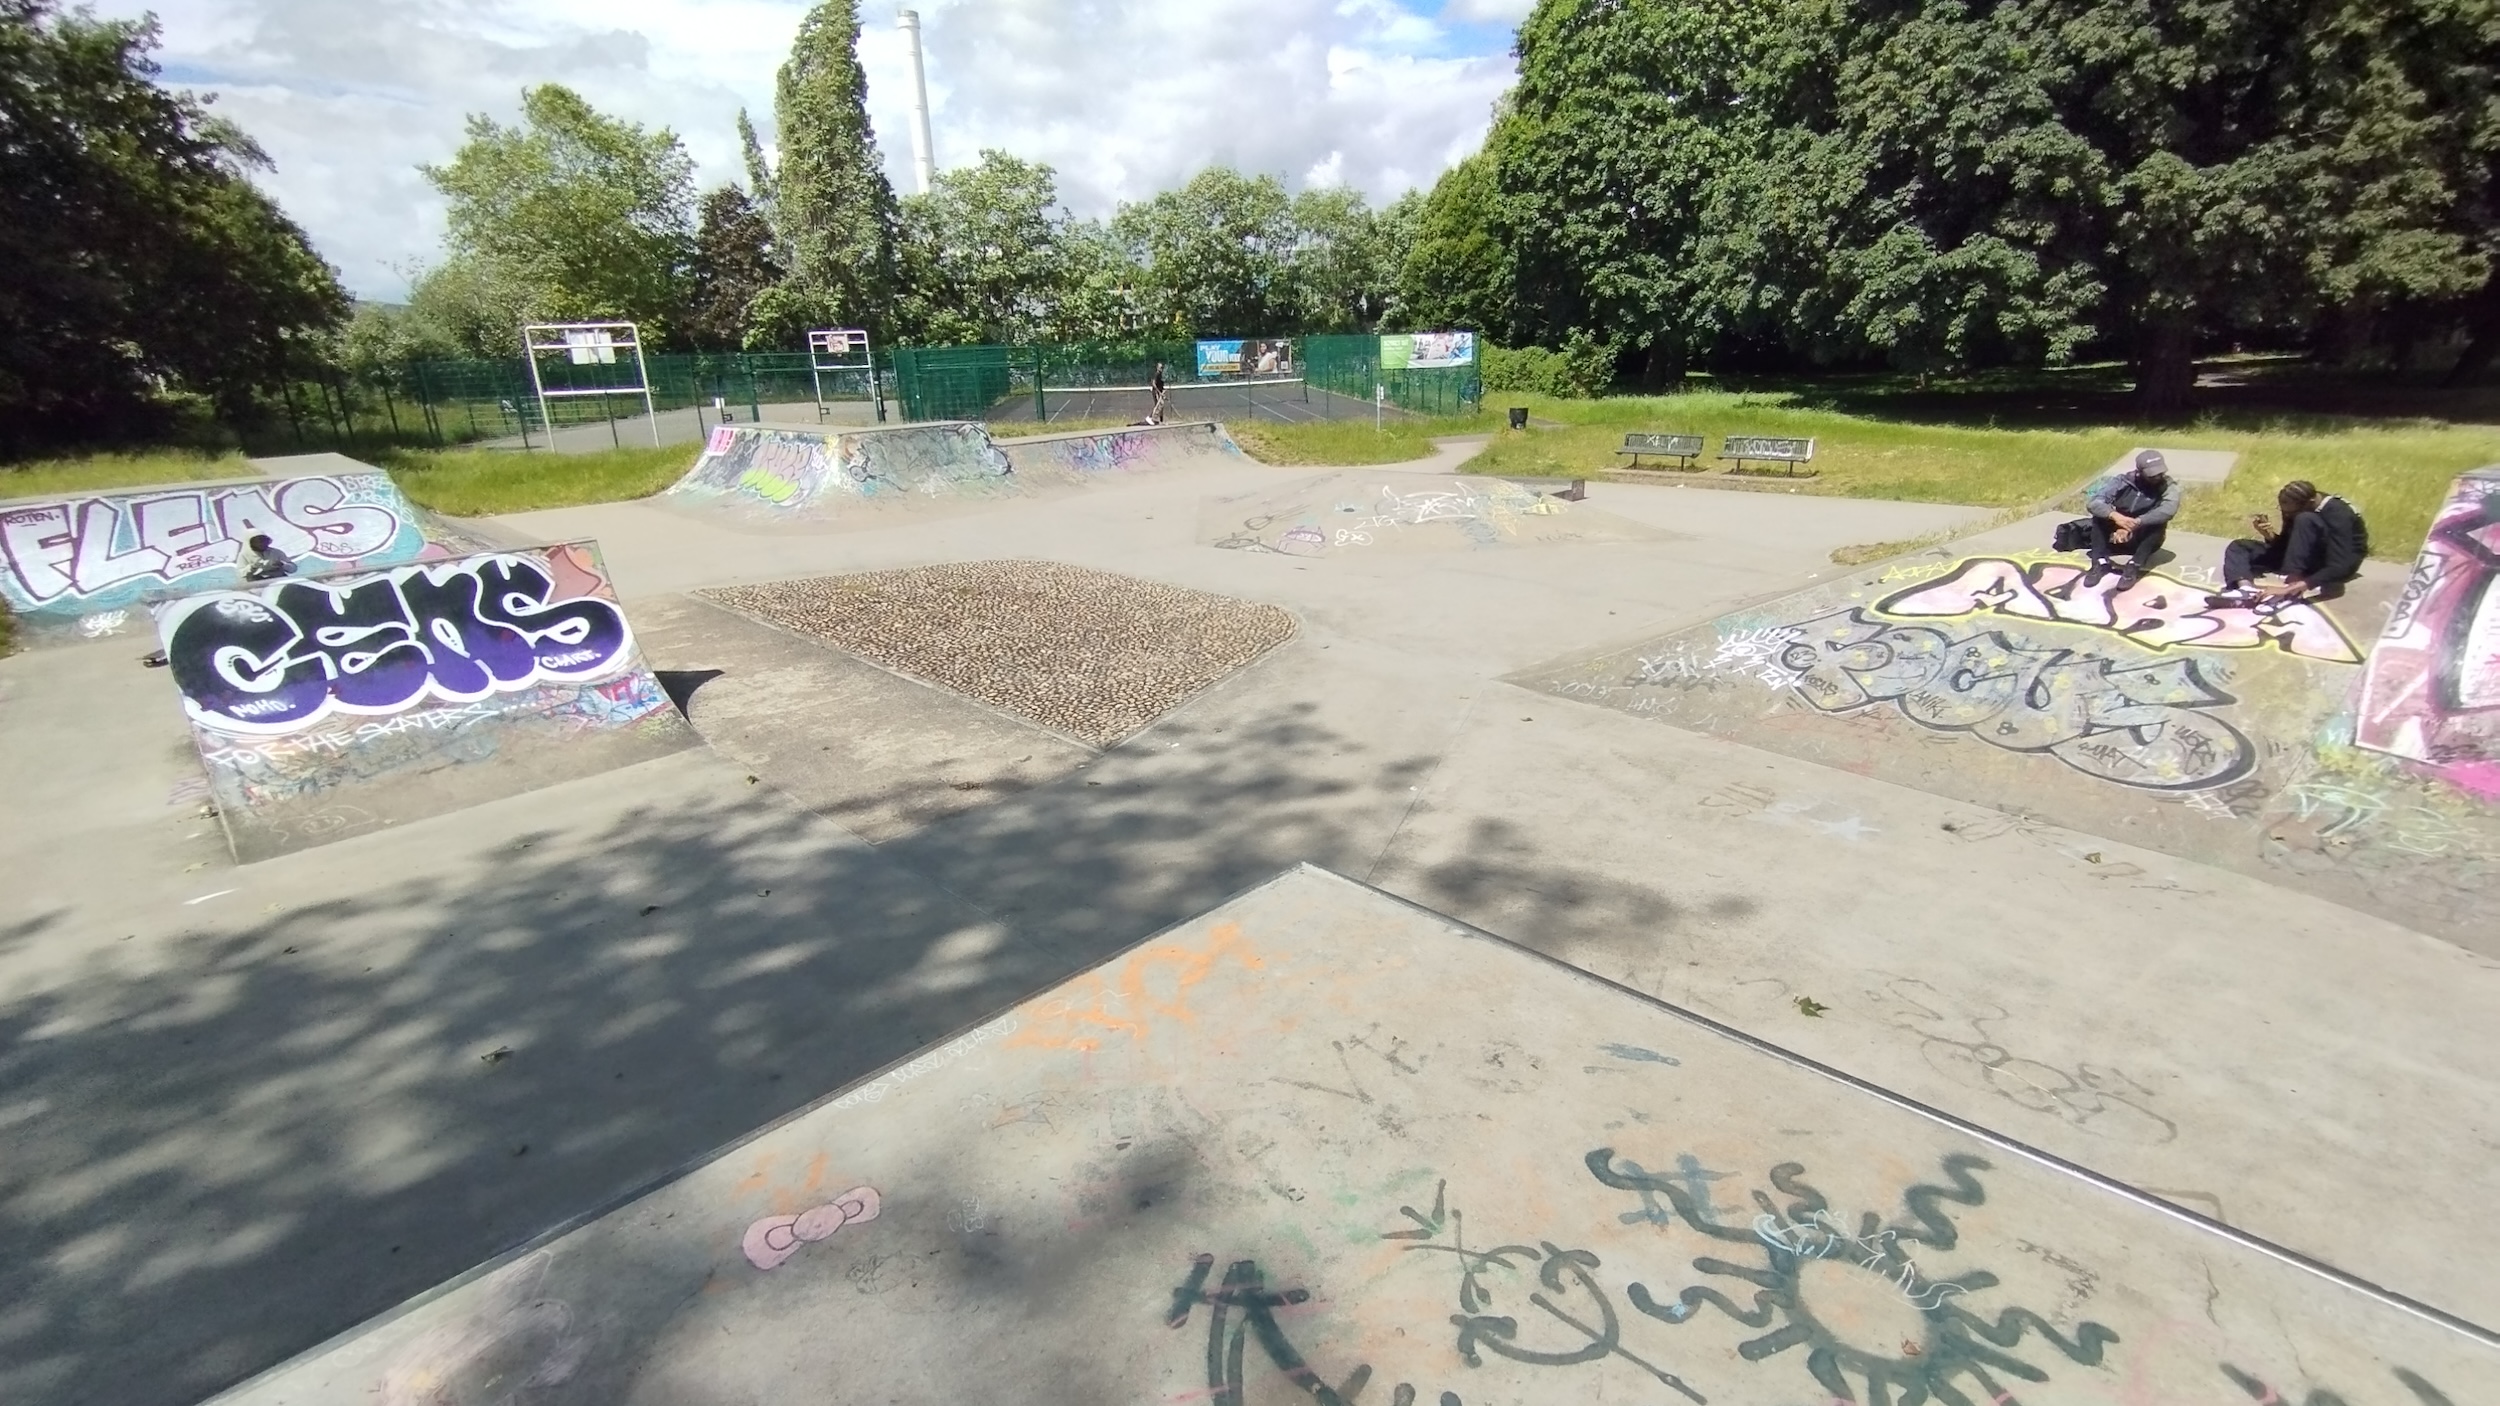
x: 2131, y: 513
x: 2321, y: 546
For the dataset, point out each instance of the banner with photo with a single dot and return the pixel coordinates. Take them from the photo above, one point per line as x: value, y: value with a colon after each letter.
x: 1244, y: 357
x: 1427, y: 351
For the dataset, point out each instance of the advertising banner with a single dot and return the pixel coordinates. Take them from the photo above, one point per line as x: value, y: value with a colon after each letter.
x: 1427, y: 351
x: 1244, y: 357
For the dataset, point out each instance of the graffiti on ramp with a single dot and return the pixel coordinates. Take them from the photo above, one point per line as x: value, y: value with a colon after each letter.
x: 79, y: 568
x: 322, y: 708
x: 2432, y: 691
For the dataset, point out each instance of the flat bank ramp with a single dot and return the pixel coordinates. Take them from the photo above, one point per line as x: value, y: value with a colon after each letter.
x: 1996, y: 676
x: 89, y: 566
x: 337, y: 707
x: 793, y: 477
x: 1320, y: 1145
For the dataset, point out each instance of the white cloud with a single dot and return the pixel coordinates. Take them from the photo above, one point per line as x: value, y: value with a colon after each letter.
x: 1124, y: 97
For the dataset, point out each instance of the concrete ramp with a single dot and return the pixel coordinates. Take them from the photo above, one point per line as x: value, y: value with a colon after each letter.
x: 88, y: 567
x: 1322, y: 1146
x: 1362, y: 511
x: 2432, y: 691
x: 1072, y: 460
x: 807, y: 478
x: 1995, y: 676
x: 324, y: 709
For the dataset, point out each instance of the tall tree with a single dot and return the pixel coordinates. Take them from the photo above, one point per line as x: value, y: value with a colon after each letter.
x: 1215, y: 254
x: 136, y: 248
x: 571, y: 215
x: 984, y: 250
x: 735, y: 261
x: 1344, y: 264
x: 833, y: 205
x: 759, y: 166
x: 1456, y: 269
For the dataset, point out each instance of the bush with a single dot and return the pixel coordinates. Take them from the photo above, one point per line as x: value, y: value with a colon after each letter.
x: 1583, y: 369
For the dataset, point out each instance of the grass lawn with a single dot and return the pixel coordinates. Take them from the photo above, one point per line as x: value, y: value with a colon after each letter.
x: 97, y: 472
x: 1871, y: 446
x: 486, y: 482
x: 1332, y: 442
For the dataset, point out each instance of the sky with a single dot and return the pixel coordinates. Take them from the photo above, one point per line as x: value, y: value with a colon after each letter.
x: 1123, y: 97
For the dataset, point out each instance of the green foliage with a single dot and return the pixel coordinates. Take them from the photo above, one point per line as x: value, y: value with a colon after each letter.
x: 735, y: 262
x: 981, y: 253
x: 759, y: 170
x: 1343, y: 266
x: 137, y: 251
x: 381, y: 340
x: 570, y: 216
x: 1941, y: 184
x: 1457, y: 269
x: 832, y: 204
x: 1538, y: 371
x: 98, y: 473
x: 1214, y: 254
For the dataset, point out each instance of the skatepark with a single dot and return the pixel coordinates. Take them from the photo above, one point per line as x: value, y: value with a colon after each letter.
x: 910, y: 916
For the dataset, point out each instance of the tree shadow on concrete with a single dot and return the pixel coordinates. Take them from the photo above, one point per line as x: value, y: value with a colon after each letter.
x: 285, y: 1128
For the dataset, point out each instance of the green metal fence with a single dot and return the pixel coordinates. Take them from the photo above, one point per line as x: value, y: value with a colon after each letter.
x: 1351, y: 366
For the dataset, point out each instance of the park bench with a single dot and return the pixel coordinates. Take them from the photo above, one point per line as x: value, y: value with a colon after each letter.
x: 1684, y: 448
x: 1766, y: 449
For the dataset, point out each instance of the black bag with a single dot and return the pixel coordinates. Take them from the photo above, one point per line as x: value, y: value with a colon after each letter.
x: 2072, y: 536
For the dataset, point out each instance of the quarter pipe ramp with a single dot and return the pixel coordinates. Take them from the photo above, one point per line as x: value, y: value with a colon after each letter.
x: 88, y: 567
x: 330, y: 708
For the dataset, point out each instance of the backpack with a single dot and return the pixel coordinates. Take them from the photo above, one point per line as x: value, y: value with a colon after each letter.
x: 2072, y: 536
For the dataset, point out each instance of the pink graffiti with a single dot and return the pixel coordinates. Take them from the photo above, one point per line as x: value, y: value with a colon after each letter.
x: 2432, y: 691
x: 774, y: 1239
x: 2156, y: 612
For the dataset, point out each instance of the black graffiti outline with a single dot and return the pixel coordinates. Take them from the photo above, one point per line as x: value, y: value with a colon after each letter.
x: 1500, y: 1332
x: 2049, y: 700
x: 287, y: 656
x: 1959, y: 1342
x: 1244, y: 1291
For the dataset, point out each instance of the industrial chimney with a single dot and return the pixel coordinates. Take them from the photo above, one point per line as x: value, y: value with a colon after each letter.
x: 923, y: 161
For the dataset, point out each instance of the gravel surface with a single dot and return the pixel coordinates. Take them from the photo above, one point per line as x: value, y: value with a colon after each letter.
x: 1089, y: 653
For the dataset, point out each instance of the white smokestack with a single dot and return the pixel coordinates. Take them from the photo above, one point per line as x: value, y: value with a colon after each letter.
x: 923, y: 161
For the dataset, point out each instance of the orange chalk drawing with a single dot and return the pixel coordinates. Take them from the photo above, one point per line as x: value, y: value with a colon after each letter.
x: 1098, y: 1011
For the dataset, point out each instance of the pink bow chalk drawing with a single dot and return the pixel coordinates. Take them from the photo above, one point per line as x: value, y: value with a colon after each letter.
x: 774, y: 1239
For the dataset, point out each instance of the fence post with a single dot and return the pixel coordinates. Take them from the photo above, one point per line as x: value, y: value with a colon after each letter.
x: 1041, y: 410
x: 755, y: 397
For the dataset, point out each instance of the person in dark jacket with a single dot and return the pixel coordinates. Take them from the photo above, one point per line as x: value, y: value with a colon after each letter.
x: 2321, y: 547
x: 265, y: 562
x: 2131, y: 514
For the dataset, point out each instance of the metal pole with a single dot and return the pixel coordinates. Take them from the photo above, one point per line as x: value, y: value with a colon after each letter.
x: 755, y: 398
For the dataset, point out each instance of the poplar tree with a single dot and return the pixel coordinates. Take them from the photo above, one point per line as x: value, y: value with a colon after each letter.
x: 833, y: 206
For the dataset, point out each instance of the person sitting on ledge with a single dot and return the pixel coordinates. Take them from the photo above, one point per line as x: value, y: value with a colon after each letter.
x: 2131, y: 514
x: 265, y: 562
x: 2321, y: 547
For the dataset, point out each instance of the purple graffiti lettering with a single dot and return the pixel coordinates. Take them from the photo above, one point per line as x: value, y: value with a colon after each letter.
x: 281, y: 658
x: 2432, y: 691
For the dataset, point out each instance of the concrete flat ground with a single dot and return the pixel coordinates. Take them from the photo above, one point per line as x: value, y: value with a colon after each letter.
x: 248, y: 1109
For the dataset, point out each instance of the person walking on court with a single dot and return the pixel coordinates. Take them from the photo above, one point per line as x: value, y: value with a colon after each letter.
x: 1161, y: 403
x: 2321, y: 547
x: 2131, y: 513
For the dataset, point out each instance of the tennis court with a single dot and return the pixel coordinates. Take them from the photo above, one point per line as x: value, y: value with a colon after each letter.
x: 1289, y: 400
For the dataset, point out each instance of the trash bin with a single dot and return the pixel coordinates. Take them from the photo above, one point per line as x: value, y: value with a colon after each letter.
x: 1519, y: 417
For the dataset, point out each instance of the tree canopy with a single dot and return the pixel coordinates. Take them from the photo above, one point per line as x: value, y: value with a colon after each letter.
x: 832, y: 204
x: 139, y: 253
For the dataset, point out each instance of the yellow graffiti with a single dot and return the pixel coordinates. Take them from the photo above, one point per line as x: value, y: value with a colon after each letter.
x: 769, y: 486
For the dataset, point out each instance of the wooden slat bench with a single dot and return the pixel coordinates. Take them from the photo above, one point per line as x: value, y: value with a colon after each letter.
x: 1684, y: 448
x: 1767, y: 449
